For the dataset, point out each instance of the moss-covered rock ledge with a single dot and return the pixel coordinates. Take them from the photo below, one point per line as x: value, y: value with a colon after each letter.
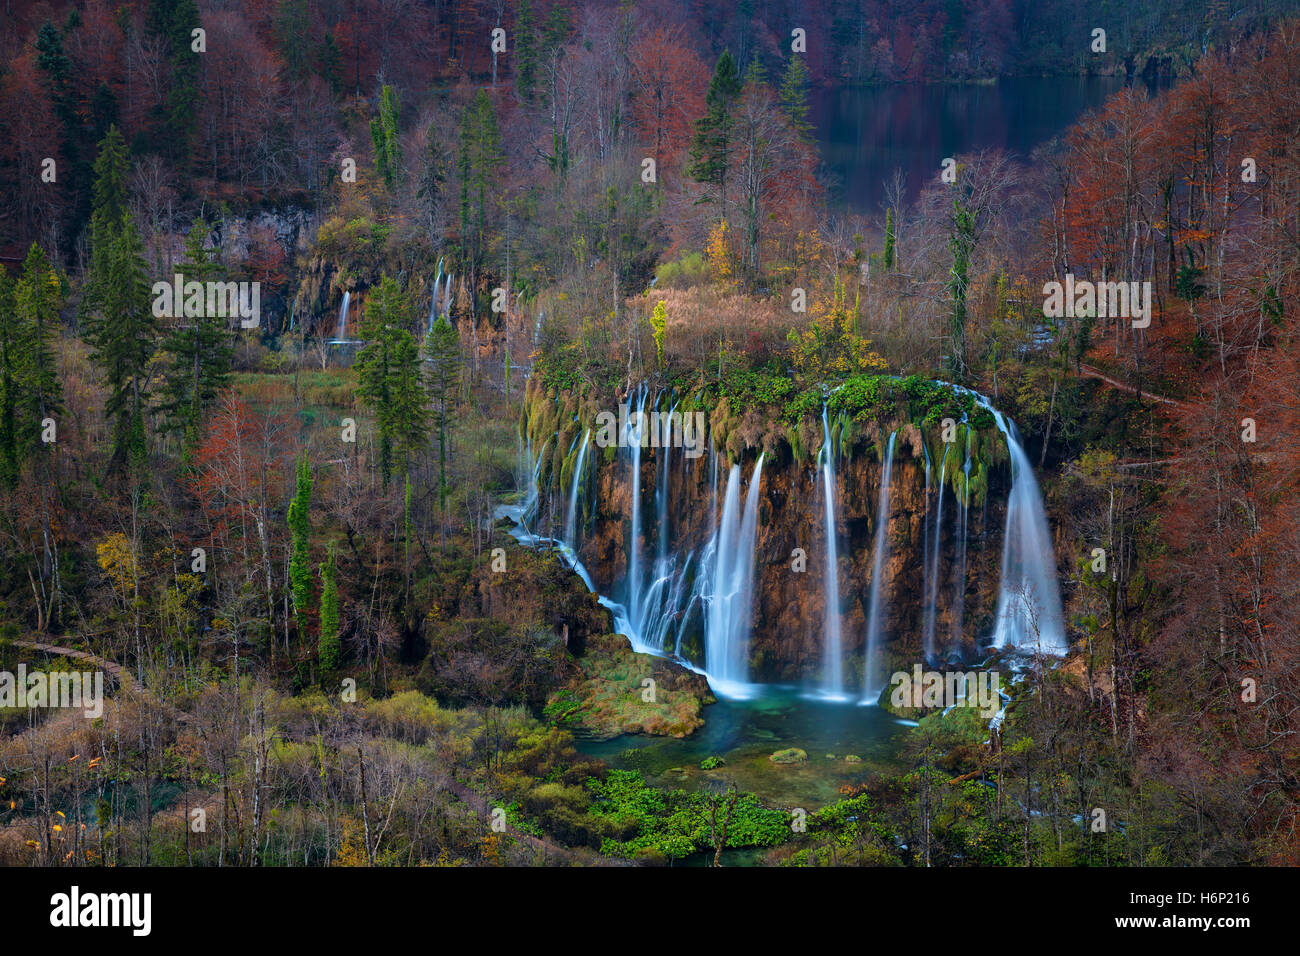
x: 608, y: 697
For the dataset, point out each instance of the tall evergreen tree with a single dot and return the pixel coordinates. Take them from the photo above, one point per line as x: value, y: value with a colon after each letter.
x: 390, y: 379
x: 121, y: 330
x: 300, y: 528
x: 201, y: 349
x: 479, y: 159
x: 442, y: 348
x: 711, y: 144
x: 38, y: 295
x: 794, y: 96
x: 385, y: 131
x: 30, y: 389
x: 525, y: 58
x: 108, y: 205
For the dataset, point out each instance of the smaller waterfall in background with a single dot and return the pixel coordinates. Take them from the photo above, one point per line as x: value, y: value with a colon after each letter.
x: 343, y: 317
x: 833, y: 643
x: 570, y: 523
x: 447, y: 294
x: 433, y: 297
x: 873, y: 679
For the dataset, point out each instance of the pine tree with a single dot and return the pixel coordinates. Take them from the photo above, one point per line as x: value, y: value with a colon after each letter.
x: 38, y: 295
x: 385, y: 130
x: 293, y: 35
x: 479, y: 158
x: 389, y: 377
x: 329, y: 649
x: 330, y: 63
x: 121, y: 332
x: 525, y: 62
x: 201, y: 348
x: 711, y: 145
x: 442, y: 347
x: 118, y: 321
x: 300, y: 529
x: 108, y: 205
x: 794, y: 96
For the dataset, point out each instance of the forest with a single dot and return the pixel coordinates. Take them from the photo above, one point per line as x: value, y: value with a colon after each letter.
x: 309, y: 316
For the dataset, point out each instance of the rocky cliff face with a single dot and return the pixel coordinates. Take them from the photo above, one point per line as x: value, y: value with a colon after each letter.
x: 787, y: 643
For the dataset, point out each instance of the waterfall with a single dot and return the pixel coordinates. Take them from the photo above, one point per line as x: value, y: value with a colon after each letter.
x: 633, y: 436
x: 570, y: 525
x: 696, y: 600
x: 446, y: 306
x: 959, y: 570
x: 872, y: 679
x: 343, y: 317
x: 663, y: 464
x: 1029, y: 599
x: 731, y: 602
x: 932, y: 562
x: 433, y: 297
x: 832, y: 640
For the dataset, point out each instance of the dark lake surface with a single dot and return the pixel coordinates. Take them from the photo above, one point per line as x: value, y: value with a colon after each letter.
x: 864, y: 134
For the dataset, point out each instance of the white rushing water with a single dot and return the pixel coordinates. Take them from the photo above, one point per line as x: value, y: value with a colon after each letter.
x: 343, y: 318
x: 1029, y: 614
x: 570, y: 523
x: 678, y: 594
x: 1029, y: 598
x: 832, y: 639
x: 959, y: 566
x: 433, y: 297
x: 731, y: 598
x: 932, y: 562
x: 873, y: 677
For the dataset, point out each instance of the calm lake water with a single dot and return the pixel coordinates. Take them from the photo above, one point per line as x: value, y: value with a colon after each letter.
x: 865, y: 134
x: 747, y: 732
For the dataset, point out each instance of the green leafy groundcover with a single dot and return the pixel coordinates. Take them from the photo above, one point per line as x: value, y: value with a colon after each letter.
x: 675, y: 823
